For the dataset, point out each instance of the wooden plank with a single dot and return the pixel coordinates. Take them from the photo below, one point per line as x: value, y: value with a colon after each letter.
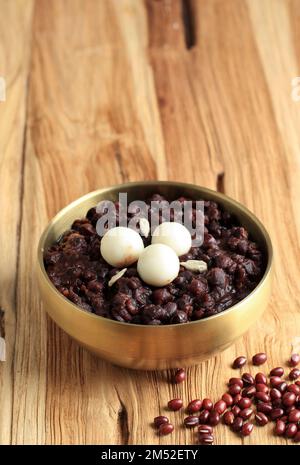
x: 14, y: 58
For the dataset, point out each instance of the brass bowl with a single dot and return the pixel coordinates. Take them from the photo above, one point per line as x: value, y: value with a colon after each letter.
x: 154, y: 347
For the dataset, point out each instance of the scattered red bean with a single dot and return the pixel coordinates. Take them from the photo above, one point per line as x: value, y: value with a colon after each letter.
x: 288, y: 399
x: 227, y: 399
x: 246, y: 413
x: 282, y: 387
x: 262, y: 388
x: 239, y: 362
x: 297, y: 437
x: 294, y: 416
x: 228, y: 418
x: 237, y: 424
x: 260, y: 378
x: 207, y: 404
x: 236, y: 381
x: 259, y: 359
x: 294, y: 388
x: 180, y: 376
x: 249, y: 391
x: 247, y: 429
x: 206, y: 438
x: 236, y: 399
x: 279, y: 428
x: 261, y: 419
x: 294, y: 360
x: 175, y: 404
x: 291, y: 430
x: 247, y: 379
x: 165, y: 429
x: 262, y: 396
x: 275, y: 394
x: 264, y: 408
x: 294, y: 374
x: 161, y: 420
x: 194, y: 406
x: 276, y: 413
x: 214, y: 418
x: 220, y: 407
x: 236, y: 410
x: 275, y: 381
x: 279, y: 371
x: 277, y: 403
x: 203, y: 417
x: 245, y: 402
x: 234, y: 389
x: 205, y: 429
x: 191, y: 421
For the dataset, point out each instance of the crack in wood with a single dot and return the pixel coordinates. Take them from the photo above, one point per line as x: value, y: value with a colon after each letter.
x: 220, y: 183
x: 2, y: 335
x: 188, y: 24
x: 123, y: 421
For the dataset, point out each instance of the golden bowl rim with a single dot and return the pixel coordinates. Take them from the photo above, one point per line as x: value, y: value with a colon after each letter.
x: 122, y: 186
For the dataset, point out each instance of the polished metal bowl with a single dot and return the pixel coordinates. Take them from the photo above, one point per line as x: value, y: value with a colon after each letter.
x: 154, y: 347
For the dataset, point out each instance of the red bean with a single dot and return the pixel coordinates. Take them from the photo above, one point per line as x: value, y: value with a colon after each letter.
x: 279, y: 428
x: 277, y: 372
x: 220, y: 407
x: 288, y: 399
x: 194, y: 406
x: 246, y: 413
x: 227, y: 399
x: 179, y: 376
x: 294, y: 416
x: 237, y: 424
x: 261, y: 419
x: 207, y: 404
x: 281, y: 387
x: 294, y: 374
x: 262, y: 388
x: 161, y: 420
x: 203, y: 417
x: 264, y: 408
x: 236, y: 399
x: 165, y: 429
x: 235, y: 410
x: 294, y: 360
x: 206, y: 438
x: 275, y: 394
x: 247, y: 379
x: 249, y: 391
x: 236, y: 381
x: 275, y: 381
x: 291, y: 430
x: 277, y: 403
x: 228, y: 418
x: 247, y: 429
x: 234, y: 389
x: 276, y: 413
x: 239, y: 362
x: 245, y: 402
x: 297, y: 437
x: 262, y: 396
x: 175, y: 404
x: 191, y: 421
x: 294, y: 388
x: 260, y: 378
x: 205, y: 429
x: 214, y: 418
x: 259, y: 359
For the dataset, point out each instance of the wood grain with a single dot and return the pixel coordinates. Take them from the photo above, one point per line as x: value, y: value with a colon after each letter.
x: 196, y: 91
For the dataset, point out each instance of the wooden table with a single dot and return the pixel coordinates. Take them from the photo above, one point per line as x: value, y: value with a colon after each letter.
x: 104, y: 91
